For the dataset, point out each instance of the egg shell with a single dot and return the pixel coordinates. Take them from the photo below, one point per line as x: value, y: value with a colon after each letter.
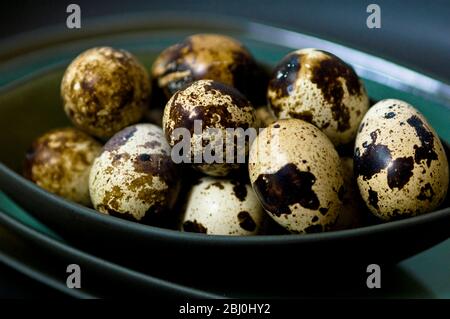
x: 223, y: 207
x: 400, y: 163
x: 318, y: 87
x: 60, y: 160
x: 295, y: 172
x: 104, y: 90
x: 217, y: 106
x: 206, y: 56
x: 134, y: 177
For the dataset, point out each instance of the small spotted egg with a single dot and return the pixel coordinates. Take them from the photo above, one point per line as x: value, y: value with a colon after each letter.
x: 134, y: 177
x: 400, y: 163
x: 223, y: 207
x: 60, y: 160
x: 105, y: 90
x: 206, y: 56
x: 216, y: 107
x: 352, y: 213
x: 295, y: 172
x: 318, y: 87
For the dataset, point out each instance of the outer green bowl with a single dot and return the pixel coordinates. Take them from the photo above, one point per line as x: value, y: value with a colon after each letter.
x: 31, y: 69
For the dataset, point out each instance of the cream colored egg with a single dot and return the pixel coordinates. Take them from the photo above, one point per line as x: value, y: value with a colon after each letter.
x: 295, y: 172
x: 134, y: 177
x: 206, y: 56
x: 223, y: 207
x: 60, y: 160
x: 104, y: 90
x: 400, y: 163
x: 205, y: 110
x: 318, y: 87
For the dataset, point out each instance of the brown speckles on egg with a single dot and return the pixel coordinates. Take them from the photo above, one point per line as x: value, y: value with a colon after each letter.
x: 105, y: 90
x: 246, y: 221
x: 59, y: 161
x: 213, y: 203
x: 401, y: 170
x: 217, y: 106
x: 208, y: 56
x: 119, y: 139
x: 319, y: 88
x: 239, y: 189
x: 284, y: 188
x: 296, y: 176
x: 426, y: 150
x: 135, y: 177
x: 373, y: 159
x: 426, y: 193
x: 194, y: 227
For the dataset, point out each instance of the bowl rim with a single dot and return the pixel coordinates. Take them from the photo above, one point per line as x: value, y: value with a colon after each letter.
x: 17, y: 48
x: 176, y: 235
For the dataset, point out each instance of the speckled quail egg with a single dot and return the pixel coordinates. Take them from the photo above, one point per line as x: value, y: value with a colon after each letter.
x: 134, y: 177
x: 353, y: 209
x: 295, y: 172
x: 264, y: 116
x: 400, y: 163
x: 223, y: 207
x: 214, y: 107
x: 318, y: 87
x: 207, y: 56
x: 60, y: 160
x: 105, y: 90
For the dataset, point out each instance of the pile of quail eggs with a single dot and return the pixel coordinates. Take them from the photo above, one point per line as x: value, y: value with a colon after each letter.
x: 296, y: 176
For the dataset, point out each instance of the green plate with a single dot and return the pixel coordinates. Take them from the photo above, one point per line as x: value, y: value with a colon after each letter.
x: 32, y: 68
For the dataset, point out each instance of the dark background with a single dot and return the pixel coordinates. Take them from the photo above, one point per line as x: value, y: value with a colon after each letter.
x: 413, y: 33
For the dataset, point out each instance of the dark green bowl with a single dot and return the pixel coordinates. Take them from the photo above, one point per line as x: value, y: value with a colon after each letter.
x: 31, y: 70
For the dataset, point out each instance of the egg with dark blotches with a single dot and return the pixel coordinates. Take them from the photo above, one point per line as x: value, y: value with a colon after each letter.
x: 59, y: 161
x: 400, y: 163
x: 214, y: 108
x: 318, y: 87
x: 223, y: 207
x: 295, y: 172
x: 104, y: 90
x: 208, y: 56
x: 134, y: 177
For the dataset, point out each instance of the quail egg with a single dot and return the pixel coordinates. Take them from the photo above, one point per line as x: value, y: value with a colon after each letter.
x: 209, y: 113
x: 223, y: 207
x: 134, y: 177
x: 105, y: 90
x: 207, y: 56
x: 59, y: 161
x: 296, y: 174
x: 400, y: 164
x: 352, y: 213
x: 318, y: 87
